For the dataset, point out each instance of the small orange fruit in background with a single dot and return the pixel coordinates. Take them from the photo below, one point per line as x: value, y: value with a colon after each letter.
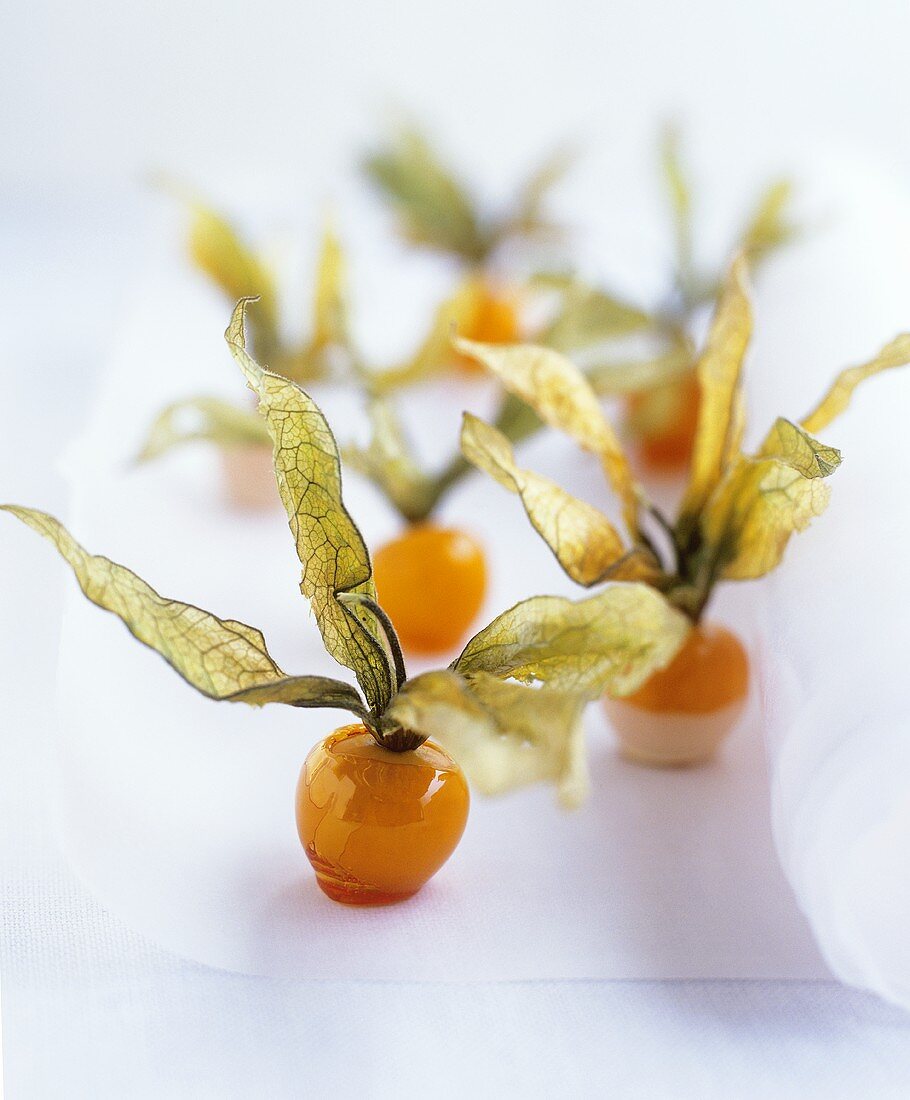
x: 683, y: 712
x: 494, y: 320
x: 375, y: 824
x: 431, y: 581
x: 669, y: 448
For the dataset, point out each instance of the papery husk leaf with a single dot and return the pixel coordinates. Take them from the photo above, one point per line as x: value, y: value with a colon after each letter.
x: 628, y: 376
x: 894, y: 354
x: 529, y: 217
x: 433, y: 208
x: 611, y: 642
x: 758, y: 506
x: 204, y: 418
x: 329, y: 545
x: 562, y: 397
x: 217, y: 249
x: 719, y: 369
x: 792, y: 444
x: 769, y: 227
x: 679, y: 193
x: 389, y: 463
x: 588, y: 316
x: 582, y: 539
x: 504, y: 735
x: 221, y: 658
x: 330, y: 307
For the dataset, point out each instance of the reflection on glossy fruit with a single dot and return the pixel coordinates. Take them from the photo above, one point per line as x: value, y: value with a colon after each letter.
x: 495, y: 320
x: 665, y: 422
x: 683, y: 712
x: 248, y: 475
x: 431, y: 581
x: 375, y: 824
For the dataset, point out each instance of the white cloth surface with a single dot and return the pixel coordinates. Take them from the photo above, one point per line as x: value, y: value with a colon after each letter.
x: 89, y: 1002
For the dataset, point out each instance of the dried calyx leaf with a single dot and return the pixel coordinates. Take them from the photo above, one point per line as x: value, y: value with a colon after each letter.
x: 562, y: 397
x: 611, y: 642
x: 588, y: 316
x: 719, y: 371
x: 221, y: 658
x: 434, y: 208
x: 529, y: 217
x: 770, y: 226
x: 218, y: 250
x: 203, y: 418
x: 893, y: 354
x: 437, y: 211
x: 389, y: 463
x: 679, y: 193
x: 585, y: 543
x: 329, y: 545
x: 330, y: 322
x: 503, y: 734
x: 588, y: 319
x: 739, y: 511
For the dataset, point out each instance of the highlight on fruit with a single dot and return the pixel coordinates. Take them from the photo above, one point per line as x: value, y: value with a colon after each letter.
x: 382, y: 803
x: 735, y: 520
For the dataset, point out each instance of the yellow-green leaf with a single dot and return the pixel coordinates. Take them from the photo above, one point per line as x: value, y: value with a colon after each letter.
x: 757, y: 507
x: 610, y: 642
x: 433, y: 207
x: 528, y: 216
x: 719, y: 369
x: 330, y: 307
x: 679, y: 193
x: 609, y: 379
x: 329, y: 545
x: 217, y: 249
x: 221, y: 658
x: 793, y: 445
x: 504, y: 735
x: 390, y: 464
x: 584, y: 542
x: 588, y: 316
x: 894, y: 354
x: 203, y: 418
x: 769, y: 227
x: 562, y: 397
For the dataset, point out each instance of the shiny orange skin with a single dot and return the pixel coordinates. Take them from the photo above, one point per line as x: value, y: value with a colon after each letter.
x: 431, y: 581
x: 711, y: 671
x: 376, y: 825
x: 670, y: 450
x: 495, y: 320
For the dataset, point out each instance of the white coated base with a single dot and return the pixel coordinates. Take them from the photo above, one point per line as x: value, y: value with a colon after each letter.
x: 670, y: 740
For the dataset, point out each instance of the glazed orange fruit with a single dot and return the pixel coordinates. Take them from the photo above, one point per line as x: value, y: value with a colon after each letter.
x: 495, y: 321
x: 671, y: 449
x: 431, y: 581
x: 710, y: 672
x: 375, y: 824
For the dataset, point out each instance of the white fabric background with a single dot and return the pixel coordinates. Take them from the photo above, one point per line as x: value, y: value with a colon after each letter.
x: 88, y: 1002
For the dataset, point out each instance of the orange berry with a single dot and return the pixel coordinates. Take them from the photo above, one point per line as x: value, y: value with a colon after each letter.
x: 670, y: 448
x: 495, y: 320
x: 375, y: 824
x: 431, y: 582
x: 681, y: 713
